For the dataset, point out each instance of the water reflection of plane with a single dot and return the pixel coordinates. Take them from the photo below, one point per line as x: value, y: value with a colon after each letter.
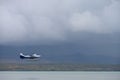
x: 33, y: 56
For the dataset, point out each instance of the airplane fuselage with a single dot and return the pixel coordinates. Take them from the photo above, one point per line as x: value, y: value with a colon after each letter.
x: 34, y: 56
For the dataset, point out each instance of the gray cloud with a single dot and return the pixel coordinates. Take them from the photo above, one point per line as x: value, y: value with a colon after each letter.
x: 44, y: 20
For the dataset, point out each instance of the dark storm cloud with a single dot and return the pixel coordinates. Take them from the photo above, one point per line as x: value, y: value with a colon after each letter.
x: 41, y: 21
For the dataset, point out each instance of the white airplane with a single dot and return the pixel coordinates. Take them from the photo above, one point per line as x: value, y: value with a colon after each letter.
x: 33, y: 56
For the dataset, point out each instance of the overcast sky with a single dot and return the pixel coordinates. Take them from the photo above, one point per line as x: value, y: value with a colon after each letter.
x: 44, y: 21
x: 91, y: 26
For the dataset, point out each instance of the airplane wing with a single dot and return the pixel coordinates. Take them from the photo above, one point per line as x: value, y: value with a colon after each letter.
x: 36, y: 55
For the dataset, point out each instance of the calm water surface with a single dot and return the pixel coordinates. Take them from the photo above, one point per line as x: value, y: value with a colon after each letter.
x: 60, y: 75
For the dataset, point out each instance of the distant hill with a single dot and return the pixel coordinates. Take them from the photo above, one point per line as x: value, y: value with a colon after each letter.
x: 62, y: 53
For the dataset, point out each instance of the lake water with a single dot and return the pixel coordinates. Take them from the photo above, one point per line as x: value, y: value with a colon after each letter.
x: 58, y: 75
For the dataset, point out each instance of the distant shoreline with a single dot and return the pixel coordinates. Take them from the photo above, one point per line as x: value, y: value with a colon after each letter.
x: 58, y: 67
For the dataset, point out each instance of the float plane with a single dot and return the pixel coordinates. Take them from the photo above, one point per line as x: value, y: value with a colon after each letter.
x: 33, y: 56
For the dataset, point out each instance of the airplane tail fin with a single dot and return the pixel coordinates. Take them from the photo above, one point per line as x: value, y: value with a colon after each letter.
x: 21, y: 54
